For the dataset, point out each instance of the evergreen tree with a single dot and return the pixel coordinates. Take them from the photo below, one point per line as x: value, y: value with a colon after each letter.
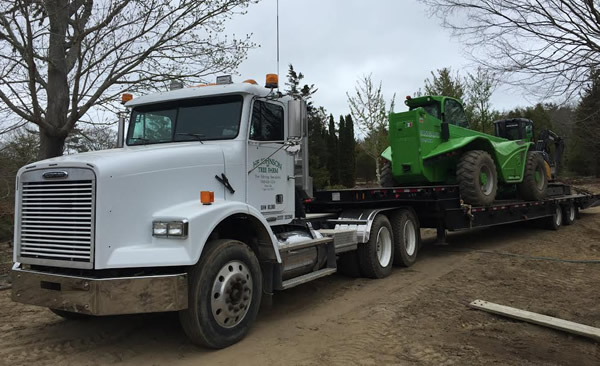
x: 585, y: 142
x: 444, y: 84
x: 347, y: 152
x: 333, y: 156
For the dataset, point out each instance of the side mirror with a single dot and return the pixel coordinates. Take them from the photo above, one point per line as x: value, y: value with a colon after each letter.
x: 297, y: 124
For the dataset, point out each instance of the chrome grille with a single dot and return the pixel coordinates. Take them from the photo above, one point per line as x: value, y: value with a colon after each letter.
x: 56, y: 225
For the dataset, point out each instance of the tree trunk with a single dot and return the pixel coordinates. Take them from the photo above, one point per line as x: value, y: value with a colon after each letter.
x: 50, y: 145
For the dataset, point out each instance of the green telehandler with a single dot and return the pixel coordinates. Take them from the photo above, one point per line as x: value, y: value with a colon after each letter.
x: 431, y: 143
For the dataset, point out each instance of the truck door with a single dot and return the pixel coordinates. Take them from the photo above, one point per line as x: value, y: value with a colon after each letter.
x: 271, y: 168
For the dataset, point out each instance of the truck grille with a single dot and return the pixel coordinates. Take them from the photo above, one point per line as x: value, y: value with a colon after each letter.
x: 56, y: 225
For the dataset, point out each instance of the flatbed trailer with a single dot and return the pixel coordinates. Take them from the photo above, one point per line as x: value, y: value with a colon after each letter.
x: 441, y: 208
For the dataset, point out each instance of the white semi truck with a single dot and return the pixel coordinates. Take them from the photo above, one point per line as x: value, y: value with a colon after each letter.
x: 203, y: 210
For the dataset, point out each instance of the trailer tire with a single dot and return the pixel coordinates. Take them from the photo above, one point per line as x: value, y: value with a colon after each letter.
x: 69, y: 315
x: 376, y: 255
x: 225, y: 289
x: 477, y: 178
x: 553, y: 222
x: 407, y: 237
x: 386, y: 179
x: 347, y: 264
x: 569, y: 213
x: 535, y: 182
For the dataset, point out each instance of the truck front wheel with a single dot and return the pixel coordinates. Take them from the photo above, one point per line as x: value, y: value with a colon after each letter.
x: 477, y: 178
x: 225, y: 289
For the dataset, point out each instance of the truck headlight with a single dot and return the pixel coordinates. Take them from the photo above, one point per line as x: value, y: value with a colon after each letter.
x: 170, y: 229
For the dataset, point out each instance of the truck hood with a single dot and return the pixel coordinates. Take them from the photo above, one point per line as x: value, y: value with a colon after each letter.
x: 146, y: 159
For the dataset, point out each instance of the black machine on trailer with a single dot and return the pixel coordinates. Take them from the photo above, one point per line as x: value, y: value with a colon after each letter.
x: 441, y: 208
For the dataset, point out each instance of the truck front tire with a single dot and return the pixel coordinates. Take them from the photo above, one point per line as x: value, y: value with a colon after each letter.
x: 225, y: 289
x: 477, y: 178
x: 535, y: 181
x: 376, y: 256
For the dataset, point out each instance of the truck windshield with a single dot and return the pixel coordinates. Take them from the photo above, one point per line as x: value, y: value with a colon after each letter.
x: 186, y: 120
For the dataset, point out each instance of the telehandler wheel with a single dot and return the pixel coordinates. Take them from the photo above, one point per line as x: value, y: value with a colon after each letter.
x: 477, y: 178
x: 69, y: 315
x: 225, y: 289
x: 385, y: 175
x: 407, y: 237
x: 569, y: 214
x: 535, y: 181
x: 375, y: 257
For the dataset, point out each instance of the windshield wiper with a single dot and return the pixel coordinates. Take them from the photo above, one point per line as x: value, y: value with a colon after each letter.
x: 197, y: 136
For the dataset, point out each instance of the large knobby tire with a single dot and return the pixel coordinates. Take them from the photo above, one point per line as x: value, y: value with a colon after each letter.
x: 386, y: 179
x: 535, y: 181
x: 477, y: 178
x: 69, y: 315
x: 376, y: 256
x: 407, y: 237
x: 225, y: 289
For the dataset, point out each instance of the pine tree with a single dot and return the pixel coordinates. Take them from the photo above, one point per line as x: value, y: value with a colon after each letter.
x: 347, y: 152
x: 333, y: 156
x: 585, y: 143
x: 444, y: 84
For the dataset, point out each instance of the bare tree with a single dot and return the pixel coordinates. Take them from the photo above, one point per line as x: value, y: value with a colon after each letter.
x: 368, y: 109
x: 549, y: 46
x: 480, y: 87
x: 61, y: 58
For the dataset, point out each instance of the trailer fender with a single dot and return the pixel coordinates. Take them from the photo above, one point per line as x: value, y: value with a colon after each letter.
x: 203, y: 219
x: 359, y: 220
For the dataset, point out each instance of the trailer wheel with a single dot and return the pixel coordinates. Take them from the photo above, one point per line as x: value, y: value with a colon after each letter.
x: 407, y: 237
x: 69, y: 315
x: 225, y: 289
x: 569, y: 213
x: 553, y: 222
x: 535, y: 181
x: 386, y: 179
x: 376, y: 256
x: 477, y: 178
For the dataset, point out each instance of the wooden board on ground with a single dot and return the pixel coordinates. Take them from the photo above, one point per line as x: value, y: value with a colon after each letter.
x: 535, y: 318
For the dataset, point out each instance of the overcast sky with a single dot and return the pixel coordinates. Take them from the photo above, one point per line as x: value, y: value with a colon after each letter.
x: 335, y: 42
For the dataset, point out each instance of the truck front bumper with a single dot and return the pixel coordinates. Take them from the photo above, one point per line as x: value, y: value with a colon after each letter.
x: 105, y: 296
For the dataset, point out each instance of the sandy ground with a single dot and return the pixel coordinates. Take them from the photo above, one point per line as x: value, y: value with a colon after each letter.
x: 417, y: 316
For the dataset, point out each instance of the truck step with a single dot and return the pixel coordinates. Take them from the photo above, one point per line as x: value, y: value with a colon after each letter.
x: 292, y: 282
x: 304, y: 244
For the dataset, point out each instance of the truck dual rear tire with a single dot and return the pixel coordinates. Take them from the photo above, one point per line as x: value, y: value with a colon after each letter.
x: 376, y: 256
x: 535, y: 181
x: 225, y: 289
x: 477, y: 178
x: 407, y: 237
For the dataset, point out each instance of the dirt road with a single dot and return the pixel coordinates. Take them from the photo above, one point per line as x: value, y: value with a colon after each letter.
x: 416, y: 316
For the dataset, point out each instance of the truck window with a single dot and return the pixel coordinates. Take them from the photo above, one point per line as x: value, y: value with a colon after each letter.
x: 455, y: 114
x: 213, y: 118
x: 267, y: 122
x: 432, y: 109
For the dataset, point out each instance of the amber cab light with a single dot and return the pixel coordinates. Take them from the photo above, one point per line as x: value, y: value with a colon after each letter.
x: 126, y: 97
x: 272, y: 81
x: 207, y: 197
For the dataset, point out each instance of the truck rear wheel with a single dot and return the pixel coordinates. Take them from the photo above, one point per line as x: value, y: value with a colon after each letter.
x: 535, y: 181
x: 407, y: 237
x: 385, y: 175
x: 569, y: 213
x: 477, y: 178
x: 376, y: 256
x: 225, y: 289
x: 553, y: 222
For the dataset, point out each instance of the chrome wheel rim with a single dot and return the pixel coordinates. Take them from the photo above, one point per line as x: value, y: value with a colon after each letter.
x: 410, y: 237
x: 558, y: 216
x: 571, y: 213
x: 231, y: 294
x: 384, y: 246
